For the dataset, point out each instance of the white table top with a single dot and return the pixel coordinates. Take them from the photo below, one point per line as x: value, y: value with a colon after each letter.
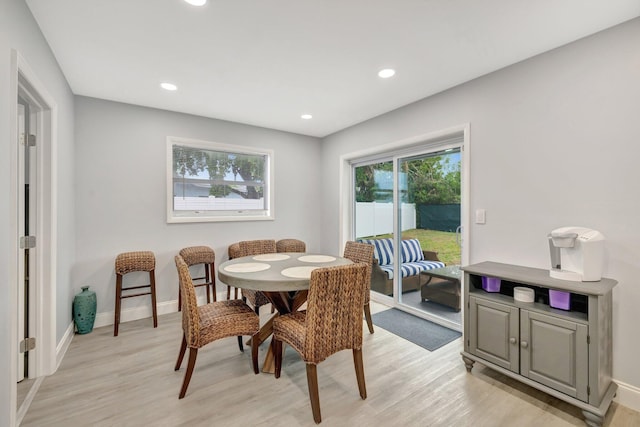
x: 281, y: 272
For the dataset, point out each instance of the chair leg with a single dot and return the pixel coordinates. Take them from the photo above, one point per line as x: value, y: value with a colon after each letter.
x: 276, y: 349
x: 314, y: 396
x: 183, y: 348
x: 212, y: 270
x: 116, y: 319
x: 240, y: 343
x: 254, y: 353
x: 152, y: 277
x: 357, y: 361
x: 206, y: 281
x: 193, y: 353
x: 367, y: 316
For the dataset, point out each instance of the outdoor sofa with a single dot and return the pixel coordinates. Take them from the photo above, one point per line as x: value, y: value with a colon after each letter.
x: 414, y: 259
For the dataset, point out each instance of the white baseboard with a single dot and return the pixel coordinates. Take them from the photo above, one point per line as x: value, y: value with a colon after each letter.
x: 64, y: 343
x: 26, y: 403
x: 137, y: 313
x: 129, y: 314
x: 628, y: 396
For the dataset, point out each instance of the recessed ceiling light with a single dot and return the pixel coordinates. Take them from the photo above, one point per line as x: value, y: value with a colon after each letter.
x: 306, y: 116
x: 196, y: 2
x: 168, y: 86
x: 386, y: 73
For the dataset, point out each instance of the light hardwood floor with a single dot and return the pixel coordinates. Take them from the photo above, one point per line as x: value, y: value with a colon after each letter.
x: 129, y: 381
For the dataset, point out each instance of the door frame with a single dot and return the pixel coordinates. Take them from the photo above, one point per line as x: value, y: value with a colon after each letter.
x: 26, y: 306
x: 24, y: 81
x: 347, y: 209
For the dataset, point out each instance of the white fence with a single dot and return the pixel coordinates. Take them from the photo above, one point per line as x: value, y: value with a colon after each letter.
x: 374, y: 219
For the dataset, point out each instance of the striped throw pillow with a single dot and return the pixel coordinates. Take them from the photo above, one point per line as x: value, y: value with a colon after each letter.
x: 411, y: 250
x: 383, y: 251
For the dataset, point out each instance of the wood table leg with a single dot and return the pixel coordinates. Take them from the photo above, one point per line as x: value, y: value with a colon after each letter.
x: 265, y: 331
x: 269, y: 366
x: 285, y: 303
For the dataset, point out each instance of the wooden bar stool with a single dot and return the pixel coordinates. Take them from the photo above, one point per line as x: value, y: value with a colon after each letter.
x: 129, y: 262
x: 204, y: 255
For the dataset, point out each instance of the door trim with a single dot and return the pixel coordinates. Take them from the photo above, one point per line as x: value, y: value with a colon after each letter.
x: 24, y: 80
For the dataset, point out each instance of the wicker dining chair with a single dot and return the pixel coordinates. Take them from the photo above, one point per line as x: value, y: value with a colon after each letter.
x: 256, y: 247
x: 205, y: 256
x: 207, y: 323
x: 362, y: 252
x: 290, y: 245
x: 332, y: 322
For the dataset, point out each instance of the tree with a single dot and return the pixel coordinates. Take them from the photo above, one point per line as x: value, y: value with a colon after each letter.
x: 366, y: 186
x: 430, y: 180
x: 192, y: 162
x: 433, y: 180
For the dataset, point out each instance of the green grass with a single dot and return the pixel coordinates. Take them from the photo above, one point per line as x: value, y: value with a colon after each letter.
x: 442, y: 242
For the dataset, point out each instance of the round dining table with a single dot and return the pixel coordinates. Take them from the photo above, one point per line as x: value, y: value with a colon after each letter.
x: 284, y: 279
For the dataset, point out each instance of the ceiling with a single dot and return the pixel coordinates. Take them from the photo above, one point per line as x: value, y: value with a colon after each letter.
x: 266, y: 62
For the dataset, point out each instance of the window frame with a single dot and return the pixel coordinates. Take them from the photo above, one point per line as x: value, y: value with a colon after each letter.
x: 191, y: 216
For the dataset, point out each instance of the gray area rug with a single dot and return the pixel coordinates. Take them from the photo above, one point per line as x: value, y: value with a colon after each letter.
x: 419, y: 331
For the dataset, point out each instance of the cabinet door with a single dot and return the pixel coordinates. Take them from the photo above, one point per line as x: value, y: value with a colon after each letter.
x: 494, y: 332
x: 554, y: 352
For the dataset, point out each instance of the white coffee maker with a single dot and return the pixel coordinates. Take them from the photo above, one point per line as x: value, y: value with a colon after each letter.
x: 577, y: 254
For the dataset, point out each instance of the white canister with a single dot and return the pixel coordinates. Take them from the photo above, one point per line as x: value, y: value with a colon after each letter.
x: 523, y: 294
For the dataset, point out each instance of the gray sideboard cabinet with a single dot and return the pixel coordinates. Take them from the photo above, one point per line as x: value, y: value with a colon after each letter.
x: 565, y: 353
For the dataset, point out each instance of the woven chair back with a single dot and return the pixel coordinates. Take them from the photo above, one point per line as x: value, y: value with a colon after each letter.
x: 257, y: 247
x: 334, y: 311
x: 190, y: 315
x: 291, y: 245
x: 234, y: 251
x: 361, y: 252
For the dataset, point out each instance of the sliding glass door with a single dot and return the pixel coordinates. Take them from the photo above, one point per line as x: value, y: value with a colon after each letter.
x: 429, y: 217
x: 411, y: 200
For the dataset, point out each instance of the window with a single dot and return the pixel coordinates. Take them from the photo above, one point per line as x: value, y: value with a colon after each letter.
x: 209, y: 181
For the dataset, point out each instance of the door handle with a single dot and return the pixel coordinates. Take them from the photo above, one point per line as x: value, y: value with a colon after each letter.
x: 524, y: 344
x: 512, y: 340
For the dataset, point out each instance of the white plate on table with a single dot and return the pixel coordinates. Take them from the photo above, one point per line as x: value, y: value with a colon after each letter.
x: 247, y: 267
x: 301, y: 272
x: 317, y: 258
x: 271, y: 257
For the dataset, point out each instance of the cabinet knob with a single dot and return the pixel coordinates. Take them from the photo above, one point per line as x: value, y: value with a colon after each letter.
x: 524, y: 344
x: 512, y: 340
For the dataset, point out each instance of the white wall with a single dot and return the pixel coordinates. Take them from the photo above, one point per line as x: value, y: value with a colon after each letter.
x: 554, y: 142
x: 19, y: 31
x: 121, y: 193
